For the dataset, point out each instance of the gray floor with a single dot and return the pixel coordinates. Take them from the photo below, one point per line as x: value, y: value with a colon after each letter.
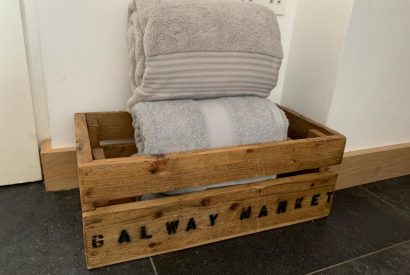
x: 368, y: 232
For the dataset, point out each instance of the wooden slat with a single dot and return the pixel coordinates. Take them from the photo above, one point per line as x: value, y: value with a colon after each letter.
x: 375, y: 164
x: 124, y: 177
x: 59, y: 167
x: 106, y: 224
x: 312, y: 133
x: 124, y: 200
x: 300, y: 125
x: 98, y: 153
x: 93, y: 132
x: 114, y: 125
x: 82, y: 139
x: 119, y: 150
x: 84, y: 154
x: 115, y: 202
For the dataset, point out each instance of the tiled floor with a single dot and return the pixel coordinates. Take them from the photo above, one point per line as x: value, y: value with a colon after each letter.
x: 368, y: 232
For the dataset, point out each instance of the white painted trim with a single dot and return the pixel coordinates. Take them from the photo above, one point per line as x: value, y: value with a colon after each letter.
x: 30, y: 20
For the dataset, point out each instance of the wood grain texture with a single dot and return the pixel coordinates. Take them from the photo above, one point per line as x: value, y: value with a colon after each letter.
x: 93, y: 132
x: 300, y: 125
x: 106, y: 224
x: 358, y: 167
x: 98, y: 153
x: 119, y: 150
x: 84, y: 153
x: 312, y: 133
x: 102, y: 180
x: 59, y: 167
x: 375, y: 164
x: 82, y: 139
x: 114, y: 125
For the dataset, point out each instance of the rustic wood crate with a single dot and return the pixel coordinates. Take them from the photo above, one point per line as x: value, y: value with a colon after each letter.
x: 119, y: 228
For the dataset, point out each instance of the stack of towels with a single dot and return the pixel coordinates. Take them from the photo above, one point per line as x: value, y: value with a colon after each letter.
x: 201, y: 72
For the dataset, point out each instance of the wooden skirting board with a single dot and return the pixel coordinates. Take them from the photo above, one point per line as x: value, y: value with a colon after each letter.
x: 358, y: 167
x: 374, y: 164
x: 59, y: 167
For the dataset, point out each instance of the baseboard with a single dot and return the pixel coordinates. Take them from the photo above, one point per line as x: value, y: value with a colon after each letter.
x: 374, y: 164
x: 59, y: 167
x: 358, y: 167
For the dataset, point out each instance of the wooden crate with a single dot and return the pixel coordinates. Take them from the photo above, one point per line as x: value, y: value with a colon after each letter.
x: 119, y: 228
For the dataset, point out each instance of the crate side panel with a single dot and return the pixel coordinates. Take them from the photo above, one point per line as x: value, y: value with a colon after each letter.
x: 136, y: 230
x: 119, y: 178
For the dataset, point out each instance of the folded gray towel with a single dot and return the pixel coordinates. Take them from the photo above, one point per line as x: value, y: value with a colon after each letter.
x: 198, y: 49
x: 171, y: 126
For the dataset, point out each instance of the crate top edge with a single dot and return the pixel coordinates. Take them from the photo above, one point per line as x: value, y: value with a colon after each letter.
x: 197, y: 153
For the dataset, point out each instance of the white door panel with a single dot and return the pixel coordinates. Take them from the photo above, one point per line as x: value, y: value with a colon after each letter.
x: 19, y: 156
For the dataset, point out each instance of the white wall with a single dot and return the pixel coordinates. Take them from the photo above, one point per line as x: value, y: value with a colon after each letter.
x: 19, y: 160
x: 371, y: 101
x: 84, y: 51
x: 286, y: 22
x: 317, y: 43
x: 362, y: 93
